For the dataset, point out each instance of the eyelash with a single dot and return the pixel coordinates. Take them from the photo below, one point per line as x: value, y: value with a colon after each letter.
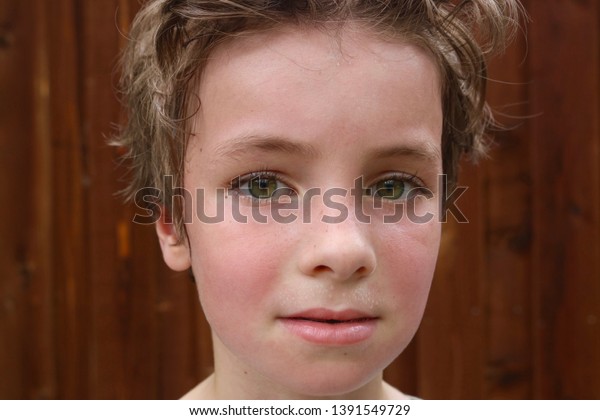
x: 237, y: 183
x: 415, y: 188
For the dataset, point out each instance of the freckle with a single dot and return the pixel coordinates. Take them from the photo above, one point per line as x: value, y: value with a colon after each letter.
x: 345, y: 354
x: 245, y: 372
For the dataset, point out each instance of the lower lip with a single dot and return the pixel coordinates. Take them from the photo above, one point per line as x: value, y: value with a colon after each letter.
x: 343, y: 333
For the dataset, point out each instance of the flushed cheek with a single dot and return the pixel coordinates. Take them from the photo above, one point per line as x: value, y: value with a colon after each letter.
x: 408, y: 255
x: 238, y: 271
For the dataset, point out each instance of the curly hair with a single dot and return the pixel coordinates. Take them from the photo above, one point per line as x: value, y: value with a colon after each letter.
x: 171, y: 41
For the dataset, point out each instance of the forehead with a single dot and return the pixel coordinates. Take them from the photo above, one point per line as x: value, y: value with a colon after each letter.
x: 315, y: 52
x: 316, y: 84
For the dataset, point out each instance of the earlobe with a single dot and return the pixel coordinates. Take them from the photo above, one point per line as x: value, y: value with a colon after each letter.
x: 175, y: 251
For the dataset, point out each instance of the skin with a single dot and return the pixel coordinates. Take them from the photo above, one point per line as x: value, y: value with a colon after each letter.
x: 350, y: 105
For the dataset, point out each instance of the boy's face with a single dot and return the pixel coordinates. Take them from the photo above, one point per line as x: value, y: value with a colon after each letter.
x: 315, y: 307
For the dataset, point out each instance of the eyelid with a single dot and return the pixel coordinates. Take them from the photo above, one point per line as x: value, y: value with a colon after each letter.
x: 401, y: 176
x: 237, y: 182
x: 259, y: 174
x: 418, y: 185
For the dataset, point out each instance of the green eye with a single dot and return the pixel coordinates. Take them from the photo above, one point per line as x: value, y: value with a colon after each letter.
x: 262, y: 187
x: 392, y: 189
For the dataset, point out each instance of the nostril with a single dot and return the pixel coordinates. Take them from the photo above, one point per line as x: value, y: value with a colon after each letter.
x: 362, y: 270
x: 322, y: 269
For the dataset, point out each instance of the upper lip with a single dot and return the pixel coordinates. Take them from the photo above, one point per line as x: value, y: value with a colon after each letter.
x: 328, y: 315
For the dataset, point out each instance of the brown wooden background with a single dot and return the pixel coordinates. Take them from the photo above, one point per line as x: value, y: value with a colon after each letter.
x: 88, y: 310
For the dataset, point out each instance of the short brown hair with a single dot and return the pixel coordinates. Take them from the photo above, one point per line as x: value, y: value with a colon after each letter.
x: 171, y: 40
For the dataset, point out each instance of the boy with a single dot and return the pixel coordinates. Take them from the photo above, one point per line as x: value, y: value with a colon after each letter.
x: 308, y: 138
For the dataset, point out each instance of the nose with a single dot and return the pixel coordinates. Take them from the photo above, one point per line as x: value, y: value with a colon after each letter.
x: 338, y: 251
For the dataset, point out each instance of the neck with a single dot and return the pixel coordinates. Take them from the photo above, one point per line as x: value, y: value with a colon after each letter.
x: 213, y: 388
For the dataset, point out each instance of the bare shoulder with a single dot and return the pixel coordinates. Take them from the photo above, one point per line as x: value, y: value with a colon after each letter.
x: 202, y: 391
x: 392, y: 393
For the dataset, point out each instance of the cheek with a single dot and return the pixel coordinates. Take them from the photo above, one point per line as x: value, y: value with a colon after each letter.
x: 236, y: 267
x: 408, y: 254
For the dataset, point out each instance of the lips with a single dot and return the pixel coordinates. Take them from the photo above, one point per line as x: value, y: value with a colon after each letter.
x: 327, y: 327
x: 331, y: 317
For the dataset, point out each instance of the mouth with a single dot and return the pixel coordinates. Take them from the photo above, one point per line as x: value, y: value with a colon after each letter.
x: 331, y: 317
x: 334, y: 328
x: 332, y: 321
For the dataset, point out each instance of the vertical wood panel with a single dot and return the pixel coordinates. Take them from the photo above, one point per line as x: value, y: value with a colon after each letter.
x: 88, y: 309
x: 565, y: 147
x: 508, y: 231
x: 452, y: 333
x: 16, y: 95
x: 70, y: 218
x: 41, y: 229
x: 26, y: 312
x: 121, y: 310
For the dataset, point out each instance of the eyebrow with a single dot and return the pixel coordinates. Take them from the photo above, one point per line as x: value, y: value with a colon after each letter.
x: 251, y: 143
x: 240, y: 146
x: 422, y: 151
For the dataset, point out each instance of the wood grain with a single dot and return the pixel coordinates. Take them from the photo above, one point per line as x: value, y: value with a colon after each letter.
x: 89, y: 310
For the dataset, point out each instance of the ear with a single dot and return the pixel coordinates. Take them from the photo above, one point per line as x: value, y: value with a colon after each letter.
x: 175, y: 251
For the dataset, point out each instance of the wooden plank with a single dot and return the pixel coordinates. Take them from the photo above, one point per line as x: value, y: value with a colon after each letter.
x: 26, y: 311
x: 15, y: 147
x: 451, y: 352
x: 566, y: 271
x: 123, y: 291
x: 508, y: 237
x: 70, y: 217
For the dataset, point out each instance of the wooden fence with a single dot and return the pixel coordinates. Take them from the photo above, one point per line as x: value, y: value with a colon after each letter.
x: 88, y: 309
